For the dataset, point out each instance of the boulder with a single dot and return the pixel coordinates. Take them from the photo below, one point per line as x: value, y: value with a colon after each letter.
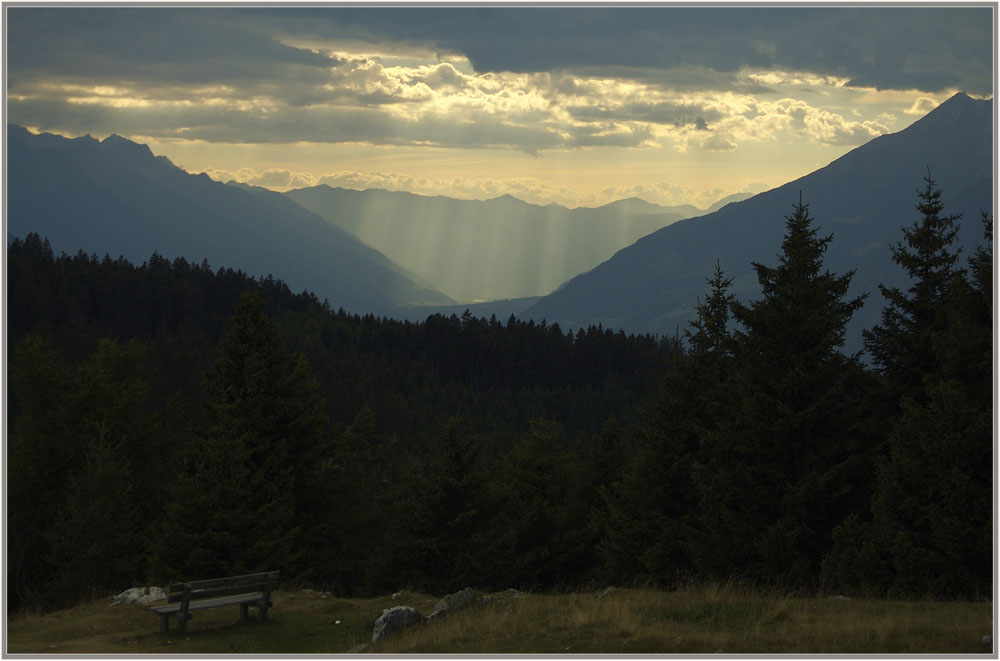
x: 610, y: 590
x: 140, y: 596
x: 395, y: 619
x: 453, y: 602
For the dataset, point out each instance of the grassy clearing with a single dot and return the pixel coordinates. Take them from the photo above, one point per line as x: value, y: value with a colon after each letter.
x: 709, y: 619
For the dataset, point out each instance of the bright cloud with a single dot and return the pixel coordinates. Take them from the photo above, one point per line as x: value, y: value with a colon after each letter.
x: 528, y: 189
x: 664, y: 90
x: 434, y: 103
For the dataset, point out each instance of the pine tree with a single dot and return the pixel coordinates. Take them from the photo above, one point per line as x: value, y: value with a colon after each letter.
x: 448, y: 539
x: 930, y: 525
x: 94, y: 547
x: 40, y: 459
x: 654, y: 525
x: 235, y: 507
x: 537, y: 473
x: 901, y: 346
x: 794, y: 441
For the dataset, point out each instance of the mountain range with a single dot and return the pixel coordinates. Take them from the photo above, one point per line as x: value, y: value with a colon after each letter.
x: 400, y: 254
x: 863, y: 199
x: 488, y: 250
x: 115, y: 197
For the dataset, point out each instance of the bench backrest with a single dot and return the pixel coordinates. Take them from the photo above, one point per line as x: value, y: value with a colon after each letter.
x: 223, y: 587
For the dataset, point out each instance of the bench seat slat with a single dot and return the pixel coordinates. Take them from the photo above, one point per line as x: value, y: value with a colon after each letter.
x: 248, y: 598
x: 231, y: 581
x: 219, y: 592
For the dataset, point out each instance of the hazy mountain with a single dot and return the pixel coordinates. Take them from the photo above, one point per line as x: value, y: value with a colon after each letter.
x: 114, y: 197
x: 729, y: 199
x: 487, y: 250
x: 862, y: 198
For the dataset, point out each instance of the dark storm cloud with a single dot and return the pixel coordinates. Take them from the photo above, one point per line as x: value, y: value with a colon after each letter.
x: 546, y: 78
x: 161, y: 45
x: 928, y: 48
x: 922, y: 47
x: 328, y: 124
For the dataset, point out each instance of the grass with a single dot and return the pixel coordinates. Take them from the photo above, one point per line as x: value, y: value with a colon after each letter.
x: 706, y: 619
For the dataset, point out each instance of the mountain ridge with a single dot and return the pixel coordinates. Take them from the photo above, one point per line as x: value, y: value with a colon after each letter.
x: 473, y: 250
x: 115, y: 197
x: 863, y: 198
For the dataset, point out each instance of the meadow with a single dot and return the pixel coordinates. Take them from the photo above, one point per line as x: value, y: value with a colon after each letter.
x: 726, y: 619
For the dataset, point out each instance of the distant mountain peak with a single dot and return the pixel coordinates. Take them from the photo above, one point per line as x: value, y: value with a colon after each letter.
x: 119, y: 143
x: 959, y: 97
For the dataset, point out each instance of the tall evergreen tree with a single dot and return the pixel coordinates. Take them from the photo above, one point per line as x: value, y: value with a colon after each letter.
x: 929, y: 530
x: 796, y: 437
x: 901, y: 345
x: 40, y: 459
x: 448, y: 539
x: 536, y: 475
x: 650, y: 511
x: 235, y: 507
x: 94, y: 545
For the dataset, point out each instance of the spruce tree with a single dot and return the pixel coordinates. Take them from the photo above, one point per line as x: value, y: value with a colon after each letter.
x: 235, y: 507
x: 40, y: 459
x: 794, y: 441
x: 94, y: 543
x: 929, y: 529
x: 447, y: 539
x: 536, y: 477
x: 901, y: 345
x: 654, y: 517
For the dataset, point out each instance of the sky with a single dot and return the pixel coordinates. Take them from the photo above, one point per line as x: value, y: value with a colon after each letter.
x: 576, y: 105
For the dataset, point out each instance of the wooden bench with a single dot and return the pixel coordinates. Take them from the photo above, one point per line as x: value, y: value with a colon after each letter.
x: 247, y: 590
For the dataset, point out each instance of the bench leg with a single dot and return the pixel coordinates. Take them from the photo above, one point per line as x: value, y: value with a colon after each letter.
x: 243, y: 611
x: 181, y: 622
x: 164, y: 624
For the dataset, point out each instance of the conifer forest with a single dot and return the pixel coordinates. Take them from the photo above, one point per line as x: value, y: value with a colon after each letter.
x: 172, y: 420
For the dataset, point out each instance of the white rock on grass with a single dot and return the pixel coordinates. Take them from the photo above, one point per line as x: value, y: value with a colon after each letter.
x: 453, y: 602
x: 394, y: 619
x: 140, y: 596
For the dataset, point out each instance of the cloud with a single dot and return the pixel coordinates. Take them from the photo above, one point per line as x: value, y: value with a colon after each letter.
x: 277, y: 178
x: 490, y: 77
x: 903, y: 47
x: 921, y: 106
x: 717, y: 143
x: 528, y: 189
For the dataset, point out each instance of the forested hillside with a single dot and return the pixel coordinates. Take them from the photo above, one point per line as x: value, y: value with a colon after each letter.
x: 171, y: 421
x: 122, y: 380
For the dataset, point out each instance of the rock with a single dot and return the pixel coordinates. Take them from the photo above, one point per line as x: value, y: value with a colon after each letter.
x: 453, y: 602
x: 513, y: 593
x: 359, y: 649
x: 140, y: 596
x: 987, y: 642
x: 394, y: 619
x: 608, y: 591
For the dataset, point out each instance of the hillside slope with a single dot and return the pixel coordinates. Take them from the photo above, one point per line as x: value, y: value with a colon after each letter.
x: 862, y: 198
x: 487, y: 250
x: 115, y: 197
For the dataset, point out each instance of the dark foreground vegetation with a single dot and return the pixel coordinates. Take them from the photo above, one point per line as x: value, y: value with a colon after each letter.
x: 688, y: 620
x: 168, y: 421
